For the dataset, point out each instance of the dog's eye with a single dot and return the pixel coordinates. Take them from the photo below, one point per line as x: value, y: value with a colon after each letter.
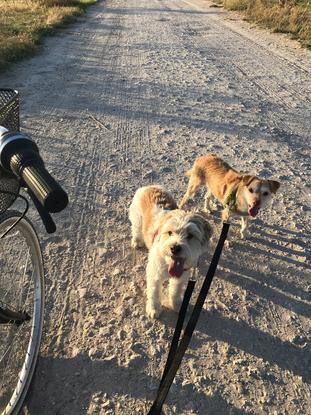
x: 251, y: 190
x: 170, y: 233
x: 265, y: 193
x: 189, y: 236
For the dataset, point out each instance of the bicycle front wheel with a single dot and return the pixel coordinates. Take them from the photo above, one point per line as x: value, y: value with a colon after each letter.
x: 21, y: 310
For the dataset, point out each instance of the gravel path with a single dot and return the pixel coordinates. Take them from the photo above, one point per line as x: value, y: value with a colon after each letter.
x: 130, y: 95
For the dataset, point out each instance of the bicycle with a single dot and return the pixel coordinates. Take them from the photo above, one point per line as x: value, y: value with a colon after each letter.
x: 21, y: 264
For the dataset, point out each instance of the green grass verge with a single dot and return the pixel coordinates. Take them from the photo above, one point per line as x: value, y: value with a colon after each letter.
x: 23, y: 23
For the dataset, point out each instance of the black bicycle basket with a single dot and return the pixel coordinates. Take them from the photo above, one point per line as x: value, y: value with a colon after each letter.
x: 9, y: 118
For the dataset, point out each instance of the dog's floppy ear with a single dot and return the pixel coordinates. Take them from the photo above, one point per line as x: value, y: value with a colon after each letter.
x: 247, y: 179
x: 206, y: 230
x: 274, y: 185
x: 163, y: 219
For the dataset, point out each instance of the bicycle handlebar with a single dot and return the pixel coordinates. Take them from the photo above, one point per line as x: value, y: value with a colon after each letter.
x: 20, y: 155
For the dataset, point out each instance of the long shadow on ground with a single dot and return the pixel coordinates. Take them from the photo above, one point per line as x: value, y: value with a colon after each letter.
x: 62, y: 395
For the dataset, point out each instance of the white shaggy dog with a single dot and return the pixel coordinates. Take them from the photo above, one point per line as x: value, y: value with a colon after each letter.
x: 175, y: 240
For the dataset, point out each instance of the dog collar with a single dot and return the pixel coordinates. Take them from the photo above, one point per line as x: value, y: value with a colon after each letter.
x: 230, y: 201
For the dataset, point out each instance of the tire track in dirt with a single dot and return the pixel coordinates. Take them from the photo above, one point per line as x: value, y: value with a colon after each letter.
x: 265, y: 73
x: 52, y: 114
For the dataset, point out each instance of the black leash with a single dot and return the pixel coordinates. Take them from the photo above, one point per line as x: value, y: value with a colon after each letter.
x: 176, y: 353
x: 178, y: 329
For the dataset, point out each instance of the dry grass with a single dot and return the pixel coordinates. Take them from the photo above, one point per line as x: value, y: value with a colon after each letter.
x: 236, y: 4
x: 24, y: 22
x: 292, y: 17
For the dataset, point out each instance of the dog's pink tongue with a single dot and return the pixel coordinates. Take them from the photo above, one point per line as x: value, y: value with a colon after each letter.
x: 252, y: 211
x: 176, y: 266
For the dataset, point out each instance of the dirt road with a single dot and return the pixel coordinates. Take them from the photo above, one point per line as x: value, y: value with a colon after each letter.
x: 130, y: 95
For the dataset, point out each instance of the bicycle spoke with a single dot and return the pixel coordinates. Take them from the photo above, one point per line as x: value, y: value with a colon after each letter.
x: 21, y: 290
x: 14, y: 272
x: 23, y: 280
x: 10, y: 348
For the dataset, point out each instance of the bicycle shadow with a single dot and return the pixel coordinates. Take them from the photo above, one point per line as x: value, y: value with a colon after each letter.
x: 58, y: 383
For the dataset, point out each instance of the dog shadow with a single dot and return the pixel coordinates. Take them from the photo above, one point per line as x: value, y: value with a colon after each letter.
x: 285, y: 266
x: 280, y: 288
x: 217, y: 327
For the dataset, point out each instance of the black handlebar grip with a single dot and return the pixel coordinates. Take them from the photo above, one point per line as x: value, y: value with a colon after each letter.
x: 29, y: 166
x: 48, y: 192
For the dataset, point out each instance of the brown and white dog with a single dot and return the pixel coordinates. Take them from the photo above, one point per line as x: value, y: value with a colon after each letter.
x: 240, y: 194
x: 175, y: 240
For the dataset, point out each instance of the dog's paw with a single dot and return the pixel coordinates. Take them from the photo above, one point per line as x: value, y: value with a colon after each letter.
x: 137, y: 243
x: 176, y: 307
x: 175, y: 304
x: 153, y: 311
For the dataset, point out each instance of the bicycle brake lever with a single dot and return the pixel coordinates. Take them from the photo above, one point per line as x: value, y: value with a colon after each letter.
x: 46, y: 218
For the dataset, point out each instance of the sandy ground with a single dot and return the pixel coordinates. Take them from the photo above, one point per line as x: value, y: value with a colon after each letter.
x: 130, y: 95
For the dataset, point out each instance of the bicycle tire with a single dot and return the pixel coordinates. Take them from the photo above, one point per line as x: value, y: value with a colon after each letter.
x: 14, y: 398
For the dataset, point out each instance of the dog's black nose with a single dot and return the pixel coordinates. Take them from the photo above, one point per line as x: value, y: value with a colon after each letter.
x: 175, y: 249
